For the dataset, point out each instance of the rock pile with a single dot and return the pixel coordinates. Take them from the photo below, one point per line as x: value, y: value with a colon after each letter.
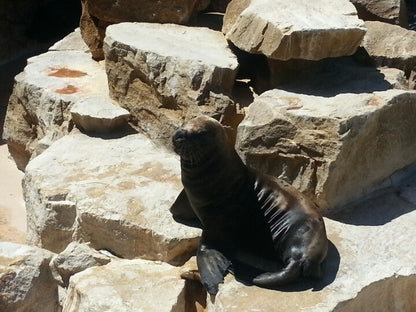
x: 311, y: 94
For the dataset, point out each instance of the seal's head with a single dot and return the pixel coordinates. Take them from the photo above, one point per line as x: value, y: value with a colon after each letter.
x: 198, y: 139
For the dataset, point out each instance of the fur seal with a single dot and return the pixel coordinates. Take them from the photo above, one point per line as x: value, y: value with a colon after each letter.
x: 243, y: 214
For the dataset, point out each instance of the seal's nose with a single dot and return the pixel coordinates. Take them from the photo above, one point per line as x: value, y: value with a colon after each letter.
x: 179, y: 136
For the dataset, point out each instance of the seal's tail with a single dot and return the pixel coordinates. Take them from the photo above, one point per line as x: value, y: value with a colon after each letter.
x: 287, y: 275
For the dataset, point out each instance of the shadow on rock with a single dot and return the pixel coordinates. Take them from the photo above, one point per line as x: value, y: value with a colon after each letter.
x: 118, y: 134
x: 329, y: 77
x: 245, y: 274
x: 375, y: 211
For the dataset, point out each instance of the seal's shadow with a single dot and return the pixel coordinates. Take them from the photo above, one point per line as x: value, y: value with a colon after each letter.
x: 245, y: 274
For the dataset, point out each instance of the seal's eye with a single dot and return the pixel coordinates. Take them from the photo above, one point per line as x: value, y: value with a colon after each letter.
x: 203, y: 134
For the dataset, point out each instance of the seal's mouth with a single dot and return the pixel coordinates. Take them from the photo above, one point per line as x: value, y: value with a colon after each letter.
x: 191, y: 147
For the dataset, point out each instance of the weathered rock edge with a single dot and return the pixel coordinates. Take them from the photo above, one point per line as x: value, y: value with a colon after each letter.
x: 336, y: 149
x: 279, y: 29
x: 113, y: 193
x: 38, y: 110
x: 165, y: 73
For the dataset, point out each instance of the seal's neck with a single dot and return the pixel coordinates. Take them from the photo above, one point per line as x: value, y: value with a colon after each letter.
x: 217, y: 176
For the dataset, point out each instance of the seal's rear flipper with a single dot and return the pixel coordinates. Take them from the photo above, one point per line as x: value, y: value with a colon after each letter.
x: 213, y: 266
x: 182, y: 211
x: 287, y: 275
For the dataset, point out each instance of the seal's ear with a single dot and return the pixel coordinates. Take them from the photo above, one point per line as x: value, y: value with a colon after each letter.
x: 182, y: 211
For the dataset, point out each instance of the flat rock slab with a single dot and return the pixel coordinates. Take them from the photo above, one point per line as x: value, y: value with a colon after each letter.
x: 298, y: 29
x: 370, y: 266
x: 114, y: 193
x: 336, y: 149
x: 164, y: 73
x: 127, y: 285
x: 99, y: 114
x: 38, y: 111
x: 391, y: 45
x: 98, y: 14
x: 26, y: 282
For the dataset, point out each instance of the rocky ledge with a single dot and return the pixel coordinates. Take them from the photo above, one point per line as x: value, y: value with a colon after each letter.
x: 100, y: 176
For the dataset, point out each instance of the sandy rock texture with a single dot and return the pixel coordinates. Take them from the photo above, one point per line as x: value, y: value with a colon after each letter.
x: 74, y: 259
x: 114, y: 193
x: 135, y: 285
x: 175, y: 73
x: 99, y: 114
x: 391, y: 45
x: 279, y: 29
x: 98, y: 14
x: 12, y: 205
x: 38, y: 110
x: 98, y: 187
x: 387, y: 11
x: 26, y: 282
x: 325, y: 146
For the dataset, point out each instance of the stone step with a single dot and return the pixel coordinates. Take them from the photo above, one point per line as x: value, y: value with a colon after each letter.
x: 127, y: 285
x: 336, y: 139
x: 38, y: 111
x: 98, y: 14
x: 114, y: 193
x: 336, y: 149
x: 390, y: 45
x: 283, y: 30
x: 99, y: 114
x: 165, y: 73
x: 26, y: 282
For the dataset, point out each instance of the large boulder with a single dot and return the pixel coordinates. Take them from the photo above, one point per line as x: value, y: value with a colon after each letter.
x: 127, y: 285
x: 370, y: 265
x: 38, y: 110
x: 97, y: 15
x: 391, y: 45
x: 387, y: 11
x: 114, y: 193
x: 335, y: 148
x: 296, y: 29
x: 165, y: 73
x: 26, y: 282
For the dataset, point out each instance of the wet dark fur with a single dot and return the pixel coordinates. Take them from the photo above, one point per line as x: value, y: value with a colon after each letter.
x: 248, y: 219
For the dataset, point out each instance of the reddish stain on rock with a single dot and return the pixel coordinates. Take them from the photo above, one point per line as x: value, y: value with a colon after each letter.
x: 66, y: 73
x: 69, y: 89
x: 374, y: 101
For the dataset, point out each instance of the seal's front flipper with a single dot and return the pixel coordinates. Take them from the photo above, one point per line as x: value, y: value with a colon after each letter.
x: 182, y: 211
x: 212, y: 266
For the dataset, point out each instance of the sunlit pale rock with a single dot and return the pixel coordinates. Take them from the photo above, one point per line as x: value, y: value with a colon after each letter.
x: 336, y: 148
x: 296, y: 29
x: 165, y: 73
x: 114, y: 193
x: 26, y: 282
